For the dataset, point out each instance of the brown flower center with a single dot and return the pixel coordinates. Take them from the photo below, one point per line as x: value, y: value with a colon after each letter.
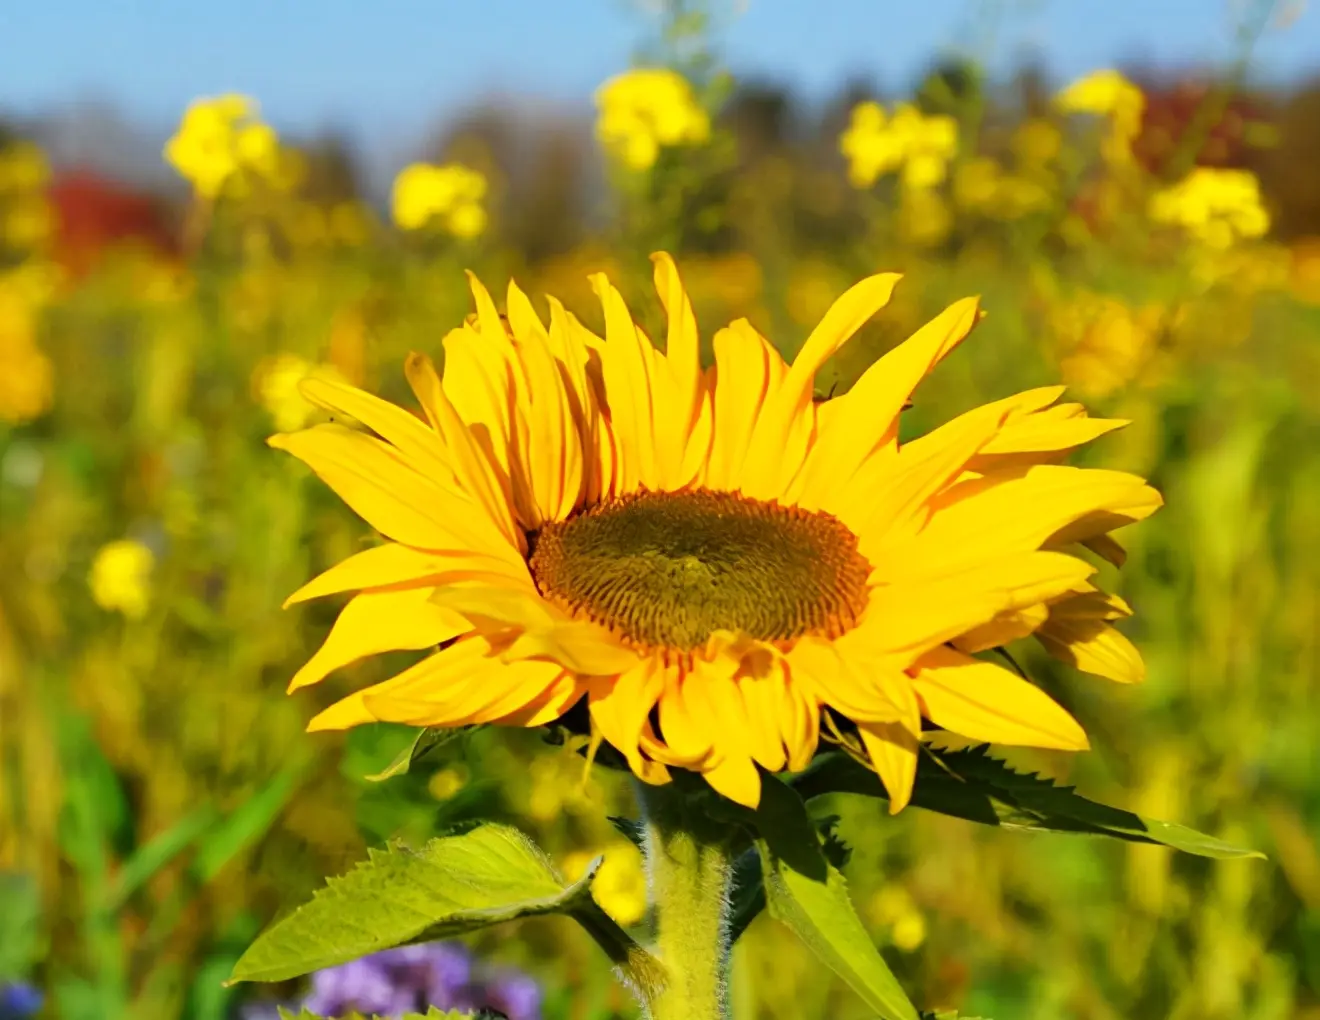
x: 667, y: 569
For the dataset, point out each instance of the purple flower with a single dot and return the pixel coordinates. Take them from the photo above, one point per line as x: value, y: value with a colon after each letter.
x: 512, y: 993
x: 412, y: 979
x: 18, y: 1001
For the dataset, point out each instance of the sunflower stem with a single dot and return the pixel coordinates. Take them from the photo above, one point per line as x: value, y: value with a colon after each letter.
x: 690, y: 860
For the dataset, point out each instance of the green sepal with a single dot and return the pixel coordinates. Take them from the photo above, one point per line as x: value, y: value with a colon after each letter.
x: 630, y: 829
x: 807, y: 893
x: 452, y: 885
x: 973, y: 785
x: 426, y: 741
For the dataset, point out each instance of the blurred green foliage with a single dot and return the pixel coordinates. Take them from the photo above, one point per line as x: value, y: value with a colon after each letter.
x: 155, y: 785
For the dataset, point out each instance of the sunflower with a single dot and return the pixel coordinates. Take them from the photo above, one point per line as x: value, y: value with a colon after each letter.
x: 713, y: 558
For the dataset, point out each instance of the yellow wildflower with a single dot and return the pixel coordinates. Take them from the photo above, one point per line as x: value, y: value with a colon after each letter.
x: 876, y: 143
x: 276, y: 383
x: 893, y: 907
x: 1217, y: 207
x: 1037, y: 142
x: 23, y: 168
x: 620, y: 885
x: 869, y: 147
x: 447, y: 782
x: 1110, y: 95
x: 120, y: 577
x: 982, y: 185
x: 1109, y: 343
x: 450, y: 197
x: 28, y: 223
x: 223, y: 140
x: 26, y: 374
x: 645, y: 110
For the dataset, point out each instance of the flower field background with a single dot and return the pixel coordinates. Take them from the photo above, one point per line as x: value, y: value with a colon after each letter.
x: 1154, y: 244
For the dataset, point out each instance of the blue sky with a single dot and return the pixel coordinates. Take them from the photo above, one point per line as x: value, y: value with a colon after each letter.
x: 385, y: 69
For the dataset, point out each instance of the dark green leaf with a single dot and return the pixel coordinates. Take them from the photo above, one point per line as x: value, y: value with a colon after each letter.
x: 453, y: 885
x: 747, y: 899
x: 783, y: 824
x: 973, y: 785
x: 632, y: 830
x: 426, y: 741
x: 821, y: 914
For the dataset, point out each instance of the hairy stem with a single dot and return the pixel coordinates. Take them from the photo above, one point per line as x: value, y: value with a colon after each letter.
x: 690, y: 867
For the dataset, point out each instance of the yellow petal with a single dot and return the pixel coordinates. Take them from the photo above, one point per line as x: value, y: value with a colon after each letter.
x: 499, y: 608
x: 477, y: 384
x: 735, y: 777
x: 1107, y: 547
x: 549, y: 466
x: 783, y: 426
x: 851, y: 426
x: 1022, y: 513
x: 384, y: 621
x: 918, y: 615
x: 584, y: 647
x: 389, y: 495
x: 892, y: 748
x: 885, y: 507
x: 682, y: 358
x: 1004, y: 628
x: 1081, y: 636
x: 620, y: 705
x: 392, y: 563
x: 484, y: 480
x: 490, y: 691
x: 849, y: 313
x: 441, y: 673
x: 1051, y: 430
x: 768, y: 715
x: 628, y: 364
x: 557, y: 699
x: 841, y: 679
x: 747, y: 371
x: 418, y: 444
x: 984, y: 701
x: 685, y: 726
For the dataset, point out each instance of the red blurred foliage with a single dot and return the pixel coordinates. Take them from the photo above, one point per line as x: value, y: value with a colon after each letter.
x: 1171, y: 109
x: 94, y: 214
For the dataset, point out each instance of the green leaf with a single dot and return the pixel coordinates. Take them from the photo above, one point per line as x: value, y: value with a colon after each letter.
x: 156, y: 853
x: 814, y: 903
x: 971, y: 784
x: 245, y: 824
x: 780, y: 814
x: 426, y: 741
x: 452, y: 885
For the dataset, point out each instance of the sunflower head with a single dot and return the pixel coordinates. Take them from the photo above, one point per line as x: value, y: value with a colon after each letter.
x: 714, y: 556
